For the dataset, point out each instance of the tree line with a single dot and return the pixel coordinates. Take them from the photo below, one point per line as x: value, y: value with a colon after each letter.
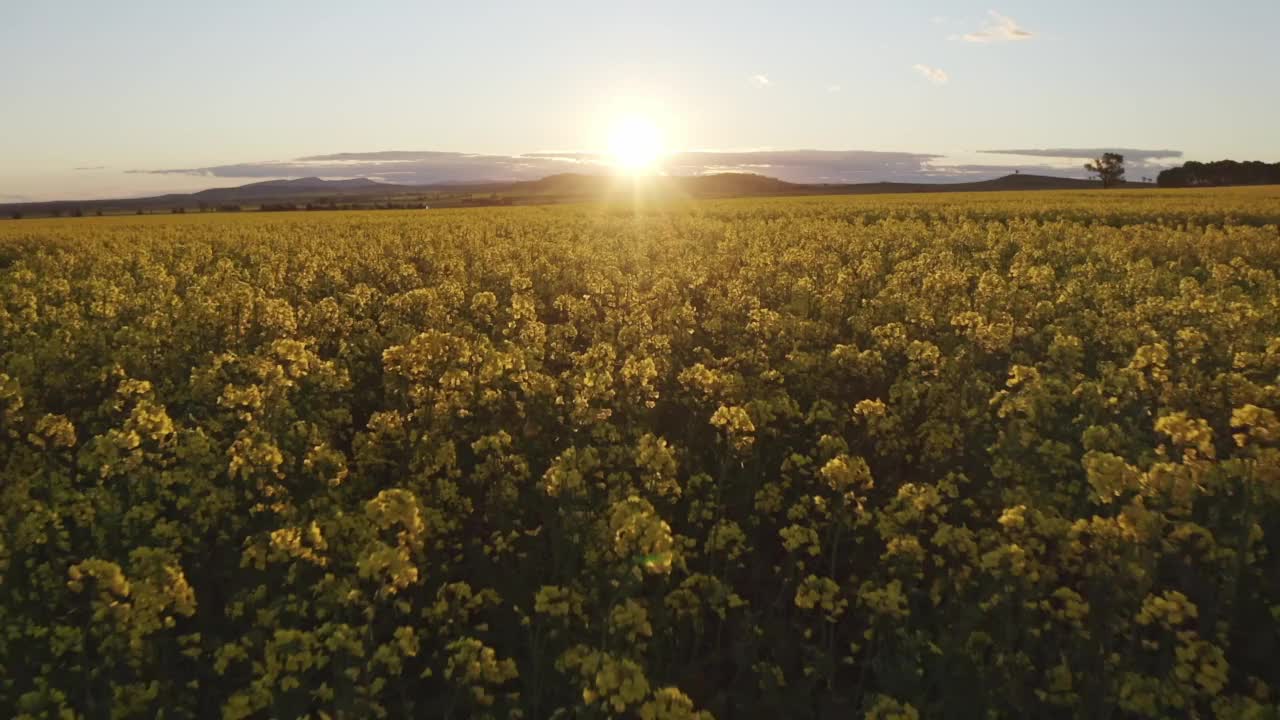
x: 1221, y: 172
x: 1109, y: 168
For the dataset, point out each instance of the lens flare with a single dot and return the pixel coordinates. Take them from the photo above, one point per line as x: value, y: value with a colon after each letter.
x: 635, y: 144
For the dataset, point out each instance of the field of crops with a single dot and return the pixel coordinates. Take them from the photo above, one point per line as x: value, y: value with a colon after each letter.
x: 1007, y: 456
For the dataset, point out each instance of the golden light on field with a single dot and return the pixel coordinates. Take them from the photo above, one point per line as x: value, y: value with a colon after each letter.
x: 635, y: 144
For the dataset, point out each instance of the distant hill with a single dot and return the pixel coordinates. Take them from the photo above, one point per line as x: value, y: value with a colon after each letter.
x: 748, y: 184
x: 1037, y: 182
x: 306, y: 183
x: 1008, y: 183
x: 307, y: 186
x: 566, y: 187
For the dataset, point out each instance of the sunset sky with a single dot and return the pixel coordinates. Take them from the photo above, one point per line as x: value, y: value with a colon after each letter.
x: 110, y: 99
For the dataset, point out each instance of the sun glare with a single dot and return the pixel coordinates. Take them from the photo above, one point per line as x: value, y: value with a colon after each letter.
x: 635, y: 144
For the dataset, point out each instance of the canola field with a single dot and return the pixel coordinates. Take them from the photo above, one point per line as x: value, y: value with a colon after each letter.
x: 997, y: 456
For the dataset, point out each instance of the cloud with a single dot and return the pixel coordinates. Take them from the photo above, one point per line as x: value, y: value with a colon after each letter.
x: 1089, y: 153
x: 937, y: 76
x: 798, y: 165
x: 978, y: 171
x: 431, y: 167
x: 14, y: 198
x: 833, y: 88
x: 761, y: 80
x: 999, y: 28
x: 410, y: 167
x: 829, y: 166
x: 95, y: 167
x: 426, y: 167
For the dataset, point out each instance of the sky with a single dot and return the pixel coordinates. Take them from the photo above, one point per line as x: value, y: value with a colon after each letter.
x: 141, y: 97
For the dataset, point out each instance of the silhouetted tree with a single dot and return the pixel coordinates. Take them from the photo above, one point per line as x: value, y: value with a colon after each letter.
x: 1109, y: 168
x: 16, y: 215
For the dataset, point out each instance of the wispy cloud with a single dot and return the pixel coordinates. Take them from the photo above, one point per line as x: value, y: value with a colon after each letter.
x: 761, y: 80
x: 425, y: 167
x: 95, y: 167
x: 831, y: 166
x: 1089, y: 153
x: 969, y: 172
x: 428, y: 167
x: 937, y: 76
x: 999, y: 28
x: 834, y: 88
x: 397, y: 166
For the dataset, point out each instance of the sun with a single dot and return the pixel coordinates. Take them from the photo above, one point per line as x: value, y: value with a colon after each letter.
x: 635, y: 144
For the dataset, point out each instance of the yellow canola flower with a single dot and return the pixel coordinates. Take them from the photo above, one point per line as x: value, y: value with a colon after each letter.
x: 801, y: 538
x: 670, y: 704
x: 736, y: 424
x: 640, y: 536
x: 887, y: 600
x: 887, y: 708
x: 557, y: 601
x: 822, y: 593
x: 1169, y: 609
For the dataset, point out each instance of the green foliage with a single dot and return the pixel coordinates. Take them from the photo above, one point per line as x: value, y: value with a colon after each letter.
x: 1000, y: 455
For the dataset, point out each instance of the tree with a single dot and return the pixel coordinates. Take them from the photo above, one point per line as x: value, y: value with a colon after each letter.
x: 1109, y: 168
